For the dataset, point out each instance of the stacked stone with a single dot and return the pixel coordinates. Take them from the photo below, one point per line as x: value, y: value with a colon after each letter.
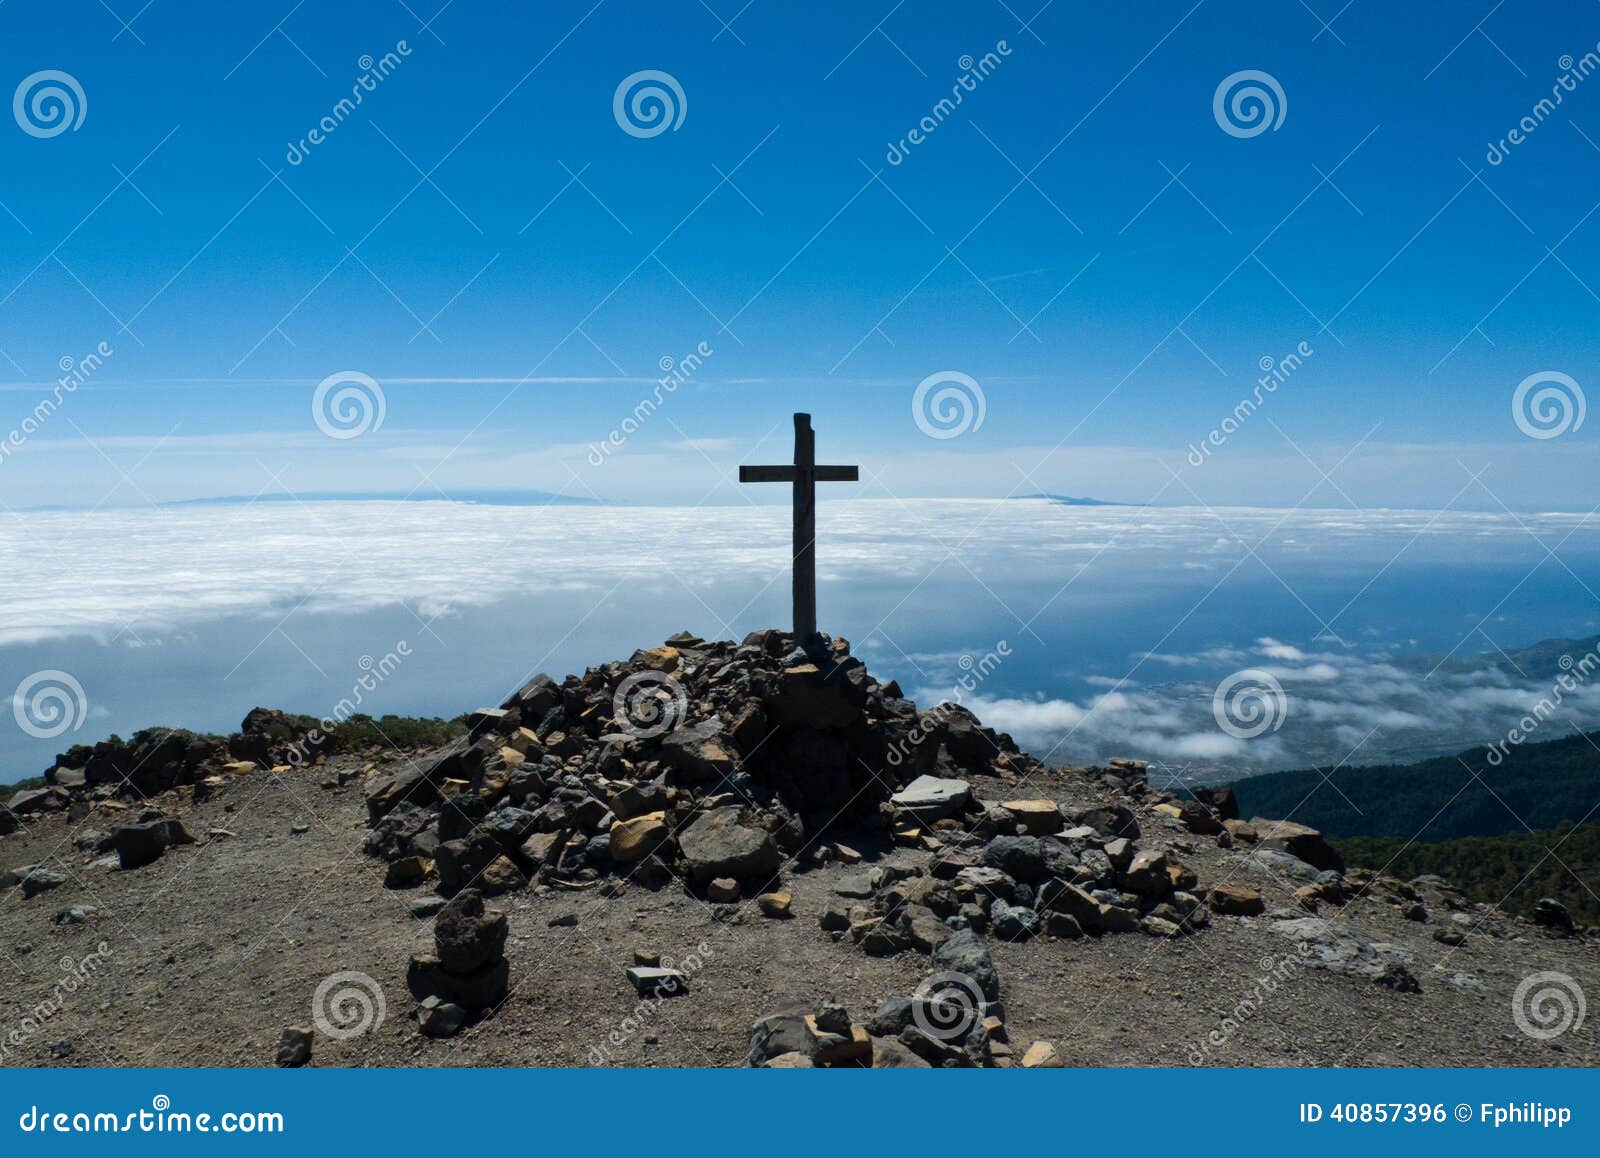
x: 467, y: 976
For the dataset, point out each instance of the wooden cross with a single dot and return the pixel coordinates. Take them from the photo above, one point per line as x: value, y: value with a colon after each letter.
x: 805, y: 474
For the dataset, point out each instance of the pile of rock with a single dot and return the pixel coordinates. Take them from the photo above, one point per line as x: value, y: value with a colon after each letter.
x: 1014, y: 870
x: 157, y: 760
x: 466, y: 977
x: 707, y: 762
x: 953, y: 1021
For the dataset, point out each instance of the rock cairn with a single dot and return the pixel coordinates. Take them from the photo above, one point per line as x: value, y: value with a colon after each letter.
x: 467, y: 975
x: 712, y: 763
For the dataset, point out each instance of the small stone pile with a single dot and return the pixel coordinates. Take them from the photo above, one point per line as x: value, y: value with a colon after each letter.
x: 706, y: 762
x: 466, y: 978
x: 960, y: 1026
x: 1014, y: 870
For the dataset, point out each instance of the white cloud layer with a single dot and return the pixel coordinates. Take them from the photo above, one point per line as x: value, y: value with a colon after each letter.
x: 96, y: 573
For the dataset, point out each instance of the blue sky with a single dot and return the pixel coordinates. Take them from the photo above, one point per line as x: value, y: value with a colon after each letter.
x: 1080, y: 237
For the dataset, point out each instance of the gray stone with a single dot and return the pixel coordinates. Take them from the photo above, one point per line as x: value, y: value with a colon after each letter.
x: 858, y: 886
x: 835, y: 917
x: 438, y: 1018
x: 1338, y: 949
x: 833, y: 1018
x: 930, y: 798
x: 1118, y: 919
x: 892, y: 1015
x: 966, y: 952
x: 888, y: 1053
x: 1110, y: 820
x: 425, y: 907
x: 716, y: 844
x: 74, y: 915
x: 926, y: 931
x: 783, y: 1031
x: 1013, y: 922
x: 41, y: 880
x: 1280, y: 865
x: 1147, y: 874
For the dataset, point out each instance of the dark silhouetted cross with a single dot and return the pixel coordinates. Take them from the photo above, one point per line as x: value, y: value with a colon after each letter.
x: 805, y: 474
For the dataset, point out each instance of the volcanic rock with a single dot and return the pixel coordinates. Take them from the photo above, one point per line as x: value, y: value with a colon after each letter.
x: 718, y: 844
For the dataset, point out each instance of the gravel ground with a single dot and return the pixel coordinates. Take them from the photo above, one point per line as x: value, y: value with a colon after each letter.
x: 215, y: 948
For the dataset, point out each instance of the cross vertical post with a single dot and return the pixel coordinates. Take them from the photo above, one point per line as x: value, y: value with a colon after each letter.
x: 805, y: 528
x: 804, y: 474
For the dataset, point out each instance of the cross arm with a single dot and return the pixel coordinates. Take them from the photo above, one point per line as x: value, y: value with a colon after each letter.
x: 767, y: 474
x: 837, y: 473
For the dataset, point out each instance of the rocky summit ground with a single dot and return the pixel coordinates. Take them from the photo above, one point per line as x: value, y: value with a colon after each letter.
x: 720, y: 854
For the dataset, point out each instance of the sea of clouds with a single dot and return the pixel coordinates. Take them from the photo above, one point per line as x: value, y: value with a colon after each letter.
x: 97, y: 573
x: 1119, y: 621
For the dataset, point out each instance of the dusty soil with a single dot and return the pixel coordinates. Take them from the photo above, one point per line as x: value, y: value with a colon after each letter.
x: 211, y: 951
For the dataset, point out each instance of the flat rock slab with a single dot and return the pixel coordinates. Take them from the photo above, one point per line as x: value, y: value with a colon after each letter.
x: 648, y: 981
x: 933, y: 797
x: 1338, y: 949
